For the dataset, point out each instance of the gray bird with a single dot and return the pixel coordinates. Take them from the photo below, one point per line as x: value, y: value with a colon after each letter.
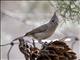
x: 45, y: 30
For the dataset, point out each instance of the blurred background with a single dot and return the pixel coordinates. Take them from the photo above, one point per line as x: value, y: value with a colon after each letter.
x: 20, y: 17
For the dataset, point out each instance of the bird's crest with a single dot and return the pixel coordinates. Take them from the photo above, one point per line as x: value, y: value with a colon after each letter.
x: 54, y: 18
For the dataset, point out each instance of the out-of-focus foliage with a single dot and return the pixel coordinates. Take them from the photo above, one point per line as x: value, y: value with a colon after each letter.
x: 69, y: 9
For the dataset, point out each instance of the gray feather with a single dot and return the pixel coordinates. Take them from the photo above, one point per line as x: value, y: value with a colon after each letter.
x: 38, y: 30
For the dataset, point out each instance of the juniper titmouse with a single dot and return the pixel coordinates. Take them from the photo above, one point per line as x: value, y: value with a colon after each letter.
x: 45, y: 30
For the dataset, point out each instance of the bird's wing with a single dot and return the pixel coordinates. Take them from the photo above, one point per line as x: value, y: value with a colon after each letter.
x: 38, y: 30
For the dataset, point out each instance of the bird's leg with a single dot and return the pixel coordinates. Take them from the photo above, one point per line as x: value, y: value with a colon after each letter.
x: 33, y: 43
x: 42, y: 43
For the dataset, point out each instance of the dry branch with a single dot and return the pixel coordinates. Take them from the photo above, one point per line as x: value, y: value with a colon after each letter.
x: 57, y: 50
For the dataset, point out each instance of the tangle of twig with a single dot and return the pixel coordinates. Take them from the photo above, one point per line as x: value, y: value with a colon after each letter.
x: 56, y: 50
x: 12, y: 44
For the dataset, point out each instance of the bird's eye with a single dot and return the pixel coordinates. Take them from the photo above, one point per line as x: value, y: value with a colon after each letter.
x: 52, y: 20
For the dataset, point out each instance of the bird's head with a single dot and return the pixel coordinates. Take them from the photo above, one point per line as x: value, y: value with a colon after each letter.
x: 54, y: 19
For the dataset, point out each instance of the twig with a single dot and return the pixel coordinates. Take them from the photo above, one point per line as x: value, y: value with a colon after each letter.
x: 8, y: 44
x: 9, y: 51
x: 63, y: 39
x: 5, y: 44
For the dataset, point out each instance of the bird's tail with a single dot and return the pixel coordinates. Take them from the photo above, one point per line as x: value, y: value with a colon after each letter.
x: 27, y: 34
x: 18, y: 38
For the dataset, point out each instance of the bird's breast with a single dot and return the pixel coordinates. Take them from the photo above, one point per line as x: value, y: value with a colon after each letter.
x: 45, y: 34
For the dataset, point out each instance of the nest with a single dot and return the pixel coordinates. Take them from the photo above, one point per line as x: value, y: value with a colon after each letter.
x: 56, y: 50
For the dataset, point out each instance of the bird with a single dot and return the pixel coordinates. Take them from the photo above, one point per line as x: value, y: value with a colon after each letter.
x: 46, y: 30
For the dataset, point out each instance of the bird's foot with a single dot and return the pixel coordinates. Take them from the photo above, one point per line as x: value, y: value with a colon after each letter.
x: 41, y: 42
